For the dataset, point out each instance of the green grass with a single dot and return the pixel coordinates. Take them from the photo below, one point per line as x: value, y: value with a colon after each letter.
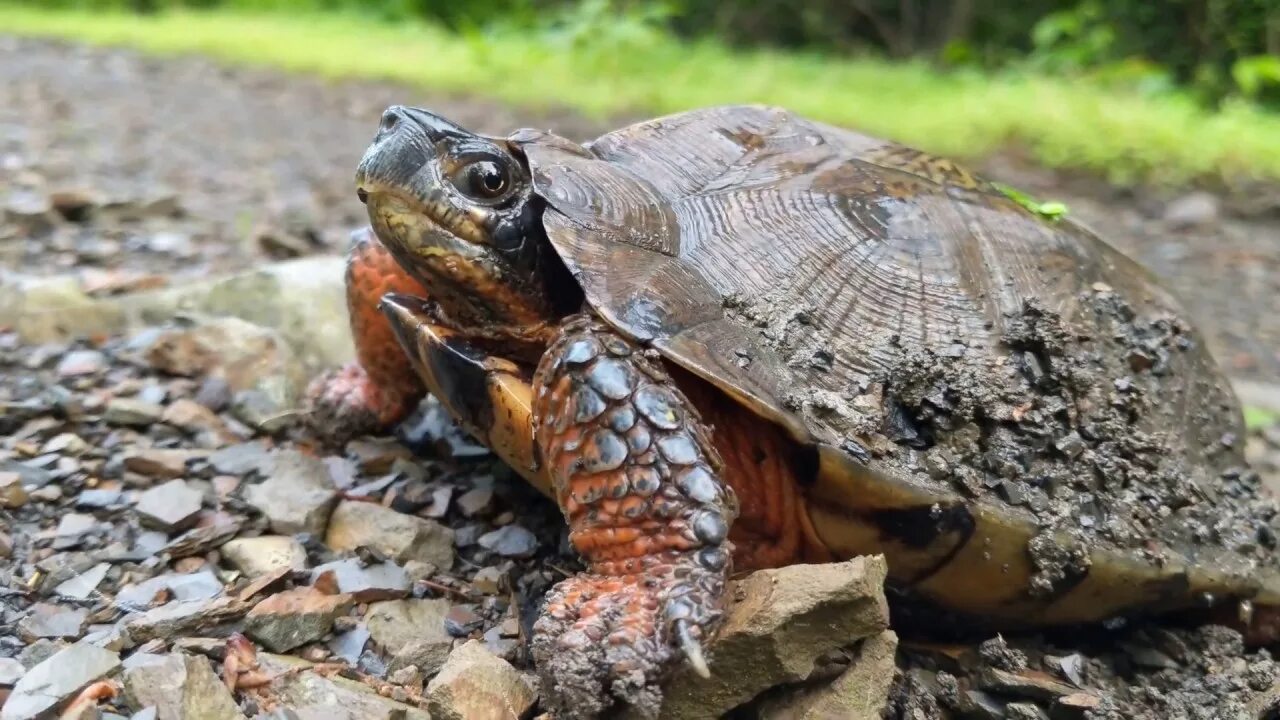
x: 1070, y: 123
x: 1256, y: 417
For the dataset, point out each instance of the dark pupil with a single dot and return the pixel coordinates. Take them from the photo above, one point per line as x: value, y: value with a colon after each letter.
x: 487, y: 178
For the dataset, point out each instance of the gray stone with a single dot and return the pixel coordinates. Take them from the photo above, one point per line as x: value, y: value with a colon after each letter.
x: 510, y: 541
x: 780, y: 623
x: 171, y: 506
x: 183, y: 617
x: 295, y: 617
x: 264, y: 555
x: 476, y: 502
x: 394, y: 623
x: 84, y: 584
x: 131, y: 412
x: 297, y: 496
x: 859, y: 692
x: 474, y: 683
x: 398, y: 536
x: 56, y: 679
x: 72, y: 527
x: 349, y: 645
x: 180, y: 687
x: 366, y: 583
x: 45, y: 620
x: 1194, y: 209
x: 202, y: 585
x: 81, y: 362
x: 99, y: 498
x: 242, y: 459
x: 11, y: 671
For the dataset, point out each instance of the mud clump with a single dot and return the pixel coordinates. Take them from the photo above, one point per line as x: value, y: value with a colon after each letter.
x: 1141, y: 673
x: 1114, y: 430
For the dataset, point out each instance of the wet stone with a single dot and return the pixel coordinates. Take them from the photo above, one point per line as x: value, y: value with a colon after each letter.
x: 510, y: 541
x: 171, y: 506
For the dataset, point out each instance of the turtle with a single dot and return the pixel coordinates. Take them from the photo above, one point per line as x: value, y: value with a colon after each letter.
x: 735, y: 338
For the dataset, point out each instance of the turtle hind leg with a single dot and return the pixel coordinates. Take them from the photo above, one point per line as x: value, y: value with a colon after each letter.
x: 380, y: 388
x: 640, y: 484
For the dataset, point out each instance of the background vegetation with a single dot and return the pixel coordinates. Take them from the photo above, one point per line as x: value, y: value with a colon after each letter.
x: 1140, y: 90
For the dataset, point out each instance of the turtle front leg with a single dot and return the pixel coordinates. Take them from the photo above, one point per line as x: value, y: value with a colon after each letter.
x: 380, y: 388
x: 640, y: 483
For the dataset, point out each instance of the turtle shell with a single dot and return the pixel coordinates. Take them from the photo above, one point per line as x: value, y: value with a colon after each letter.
x: 1017, y: 414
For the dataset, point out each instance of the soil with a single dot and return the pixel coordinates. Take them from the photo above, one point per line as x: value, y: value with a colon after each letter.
x: 131, y: 139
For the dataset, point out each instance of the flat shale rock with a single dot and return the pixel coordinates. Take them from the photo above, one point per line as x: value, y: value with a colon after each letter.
x: 179, y: 687
x: 56, y: 679
x: 297, y: 496
x: 400, y: 537
x: 171, y: 506
x: 264, y: 555
x: 474, y: 684
x: 366, y: 583
x: 295, y: 617
x: 780, y: 623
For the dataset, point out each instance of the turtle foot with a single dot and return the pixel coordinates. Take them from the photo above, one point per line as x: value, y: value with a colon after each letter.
x: 346, y: 403
x: 607, y: 639
x: 641, y: 485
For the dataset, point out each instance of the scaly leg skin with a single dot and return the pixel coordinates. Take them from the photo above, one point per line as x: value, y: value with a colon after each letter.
x: 380, y: 388
x: 640, y: 483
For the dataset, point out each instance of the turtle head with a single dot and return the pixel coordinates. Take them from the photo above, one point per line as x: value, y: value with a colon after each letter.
x: 458, y: 212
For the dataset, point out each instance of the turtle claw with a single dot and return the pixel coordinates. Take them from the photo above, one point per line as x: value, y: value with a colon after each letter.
x: 692, y: 650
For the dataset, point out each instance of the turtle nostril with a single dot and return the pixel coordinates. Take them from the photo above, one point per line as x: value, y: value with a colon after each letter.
x: 363, y: 195
x: 390, y: 118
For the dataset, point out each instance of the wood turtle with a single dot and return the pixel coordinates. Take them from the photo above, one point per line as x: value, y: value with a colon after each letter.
x: 734, y: 338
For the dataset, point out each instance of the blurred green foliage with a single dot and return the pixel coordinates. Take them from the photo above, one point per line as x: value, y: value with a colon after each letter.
x: 1218, y: 48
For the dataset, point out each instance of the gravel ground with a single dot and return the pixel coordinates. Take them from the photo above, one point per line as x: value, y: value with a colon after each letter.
x: 157, y: 469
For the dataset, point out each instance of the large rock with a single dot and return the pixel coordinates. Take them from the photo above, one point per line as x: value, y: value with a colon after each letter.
x: 400, y: 537
x: 56, y: 679
x: 171, y: 506
x: 474, y: 684
x: 310, y: 696
x: 780, y: 623
x: 265, y: 554
x: 297, y: 496
x: 179, y: 687
x: 858, y: 693
x: 301, y: 299
x: 295, y: 617
x: 395, y: 624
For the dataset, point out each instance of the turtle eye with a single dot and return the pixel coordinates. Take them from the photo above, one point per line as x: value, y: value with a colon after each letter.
x: 483, y: 180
